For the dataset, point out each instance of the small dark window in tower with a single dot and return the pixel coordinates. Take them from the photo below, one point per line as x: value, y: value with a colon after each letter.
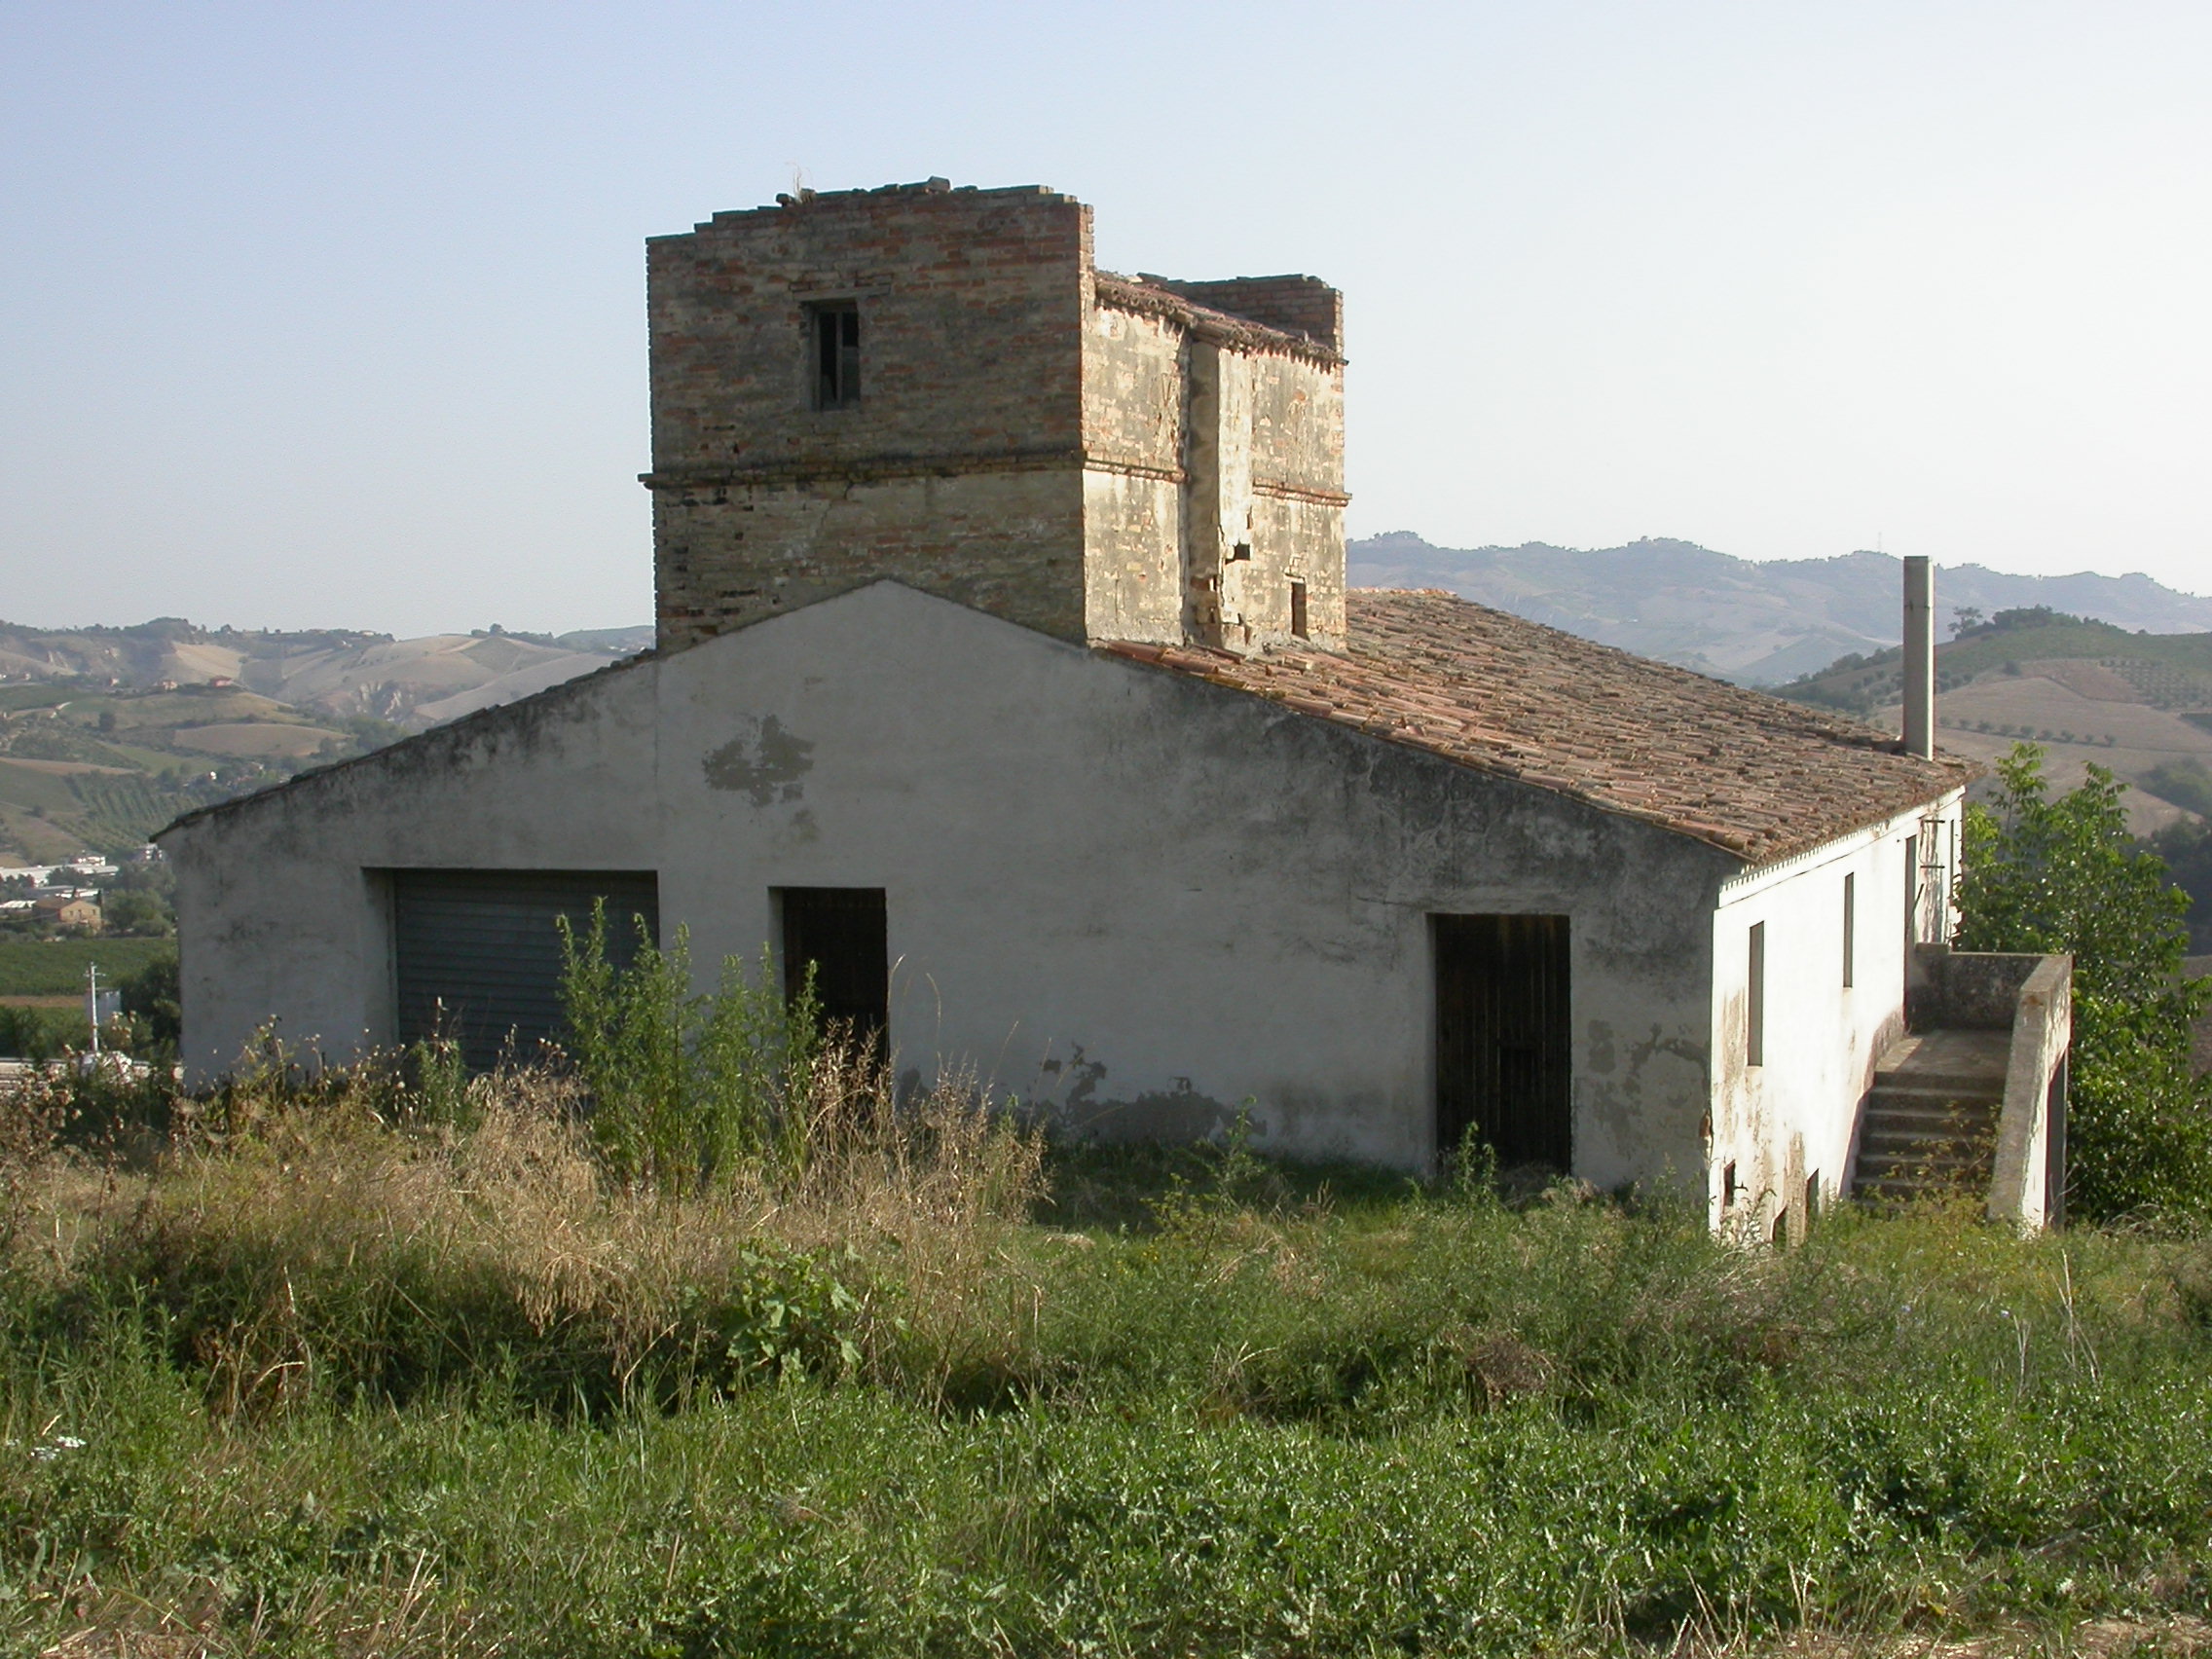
x: 836, y: 347
x: 1298, y: 610
x: 1239, y: 552
x: 1728, y: 1185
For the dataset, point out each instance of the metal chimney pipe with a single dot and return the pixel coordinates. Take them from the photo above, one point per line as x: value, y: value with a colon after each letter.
x: 1919, y: 655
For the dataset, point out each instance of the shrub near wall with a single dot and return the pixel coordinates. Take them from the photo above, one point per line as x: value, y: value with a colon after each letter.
x: 2043, y: 874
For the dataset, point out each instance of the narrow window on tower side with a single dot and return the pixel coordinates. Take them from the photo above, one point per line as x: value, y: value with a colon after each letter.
x: 1298, y: 625
x: 835, y: 340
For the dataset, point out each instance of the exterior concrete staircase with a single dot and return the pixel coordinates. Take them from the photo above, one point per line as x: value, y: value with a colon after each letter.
x: 1930, y: 1123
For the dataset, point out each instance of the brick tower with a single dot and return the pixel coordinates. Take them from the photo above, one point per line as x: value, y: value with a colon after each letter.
x: 937, y: 385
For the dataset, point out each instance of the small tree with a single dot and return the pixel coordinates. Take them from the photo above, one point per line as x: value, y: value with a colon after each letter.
x: 2063, y: 874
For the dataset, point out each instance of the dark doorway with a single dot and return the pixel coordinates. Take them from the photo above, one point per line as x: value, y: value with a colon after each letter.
x: 842, y: 931
x: 1502, y: 1014
x: 477, y: 952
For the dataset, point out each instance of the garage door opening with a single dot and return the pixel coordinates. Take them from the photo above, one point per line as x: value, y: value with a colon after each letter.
x: 844, y: 934
x: 1503, y: 1038
x: 476, y: 953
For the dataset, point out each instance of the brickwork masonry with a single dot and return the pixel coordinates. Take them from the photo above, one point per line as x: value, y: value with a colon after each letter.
x: 1014, y: 430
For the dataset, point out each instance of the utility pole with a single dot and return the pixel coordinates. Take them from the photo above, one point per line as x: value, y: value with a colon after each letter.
x: 93, y: 1005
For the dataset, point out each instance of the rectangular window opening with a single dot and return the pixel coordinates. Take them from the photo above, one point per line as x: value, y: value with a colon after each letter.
x: 1241, y: 552
x: 1297, y: 626
x: 1728, y: 1185
x: 1812, y: 1197
x: 1911, y: 890
x: 1850, y: 929
x: 837, y: 345
x: 840, y: 933
x: 1754, y: 1000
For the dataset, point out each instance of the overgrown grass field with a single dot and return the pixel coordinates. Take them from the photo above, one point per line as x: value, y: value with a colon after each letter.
x: 399, y: 1363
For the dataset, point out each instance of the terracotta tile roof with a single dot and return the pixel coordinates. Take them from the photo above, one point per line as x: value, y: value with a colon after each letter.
x: 1756, y: 775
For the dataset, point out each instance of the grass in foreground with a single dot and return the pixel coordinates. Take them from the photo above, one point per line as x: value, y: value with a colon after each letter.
x: 329, y: 1376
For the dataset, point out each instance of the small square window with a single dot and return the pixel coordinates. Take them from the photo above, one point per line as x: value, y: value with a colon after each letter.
x: 836, y: 341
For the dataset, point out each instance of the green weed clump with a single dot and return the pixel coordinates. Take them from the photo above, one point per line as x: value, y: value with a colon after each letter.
x: 688, y: 1091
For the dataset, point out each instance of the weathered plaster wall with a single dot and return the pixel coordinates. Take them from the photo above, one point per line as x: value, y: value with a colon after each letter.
x: 279, y: 912
x: 1796, y: 1114
x: 1134, y: 896
x: 1217, y: 474
x: 1133, y: 413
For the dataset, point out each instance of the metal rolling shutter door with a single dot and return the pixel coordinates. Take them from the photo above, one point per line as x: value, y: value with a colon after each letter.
x: 482, y: 949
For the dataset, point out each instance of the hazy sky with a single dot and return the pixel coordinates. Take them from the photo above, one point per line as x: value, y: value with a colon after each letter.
x: 327, y: 315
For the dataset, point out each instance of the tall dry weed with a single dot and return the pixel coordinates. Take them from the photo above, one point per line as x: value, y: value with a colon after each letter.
x: 302, y: 1237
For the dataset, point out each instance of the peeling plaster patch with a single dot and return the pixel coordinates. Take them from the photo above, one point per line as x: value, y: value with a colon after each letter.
x: 1600, y: 1047
x: 765, y: 766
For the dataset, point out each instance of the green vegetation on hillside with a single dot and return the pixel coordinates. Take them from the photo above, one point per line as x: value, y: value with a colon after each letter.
x: 55, y: 967
x: 2168, y: 670
x: 100, y: 768
x: 392, y: 1359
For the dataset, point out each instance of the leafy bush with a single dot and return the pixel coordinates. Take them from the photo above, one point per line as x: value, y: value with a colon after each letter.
x: 687, y: 1090
x: 2046, y: 874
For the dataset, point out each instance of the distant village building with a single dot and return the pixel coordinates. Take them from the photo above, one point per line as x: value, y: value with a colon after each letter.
x: 69, y: 912
x: 1007, y: 673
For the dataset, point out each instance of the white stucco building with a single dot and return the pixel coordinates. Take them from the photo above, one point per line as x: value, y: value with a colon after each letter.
x: 1156, y: 820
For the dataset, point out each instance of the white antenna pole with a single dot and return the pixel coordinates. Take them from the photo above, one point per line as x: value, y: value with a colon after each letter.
x: 92, y: 1004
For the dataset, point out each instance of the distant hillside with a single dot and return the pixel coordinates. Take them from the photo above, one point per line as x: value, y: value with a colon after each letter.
x: 1761, y: 623
x: 2137, y: 703
x: 411, y: 683
x: 108, y: 733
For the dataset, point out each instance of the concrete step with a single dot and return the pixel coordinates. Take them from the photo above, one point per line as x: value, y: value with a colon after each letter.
x: 1921, y: 1079
x: 1896, y: 1193
x: 1930, y: 1122
x: 1915, y: 1167
x: 1913, y: 1099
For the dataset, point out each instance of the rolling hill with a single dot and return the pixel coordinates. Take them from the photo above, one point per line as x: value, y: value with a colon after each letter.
x: 2139, y: 703
x: 1756, y: 622
x: 108, y: 733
